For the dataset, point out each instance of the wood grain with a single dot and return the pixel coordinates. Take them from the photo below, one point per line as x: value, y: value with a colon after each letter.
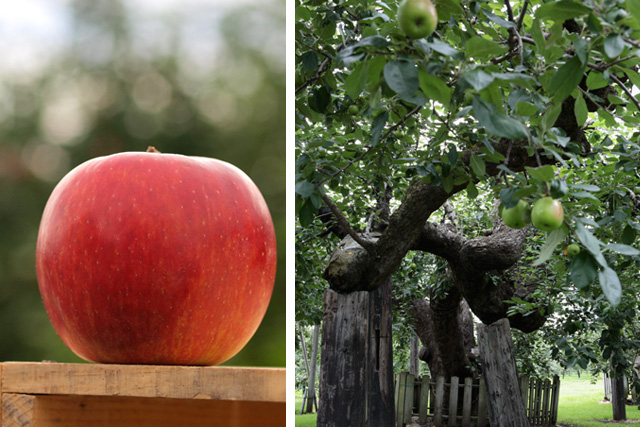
x: 177, y: 382
x: 98, y: 411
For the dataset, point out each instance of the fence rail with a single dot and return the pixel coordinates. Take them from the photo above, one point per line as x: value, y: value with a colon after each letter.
x: 464, y: 402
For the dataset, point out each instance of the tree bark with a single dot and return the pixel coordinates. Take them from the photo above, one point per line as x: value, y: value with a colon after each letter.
x: 414, y: 362
x: 311, y: 393
x: 506, y: 408
x: 618, y: 398
x: 356, y: 382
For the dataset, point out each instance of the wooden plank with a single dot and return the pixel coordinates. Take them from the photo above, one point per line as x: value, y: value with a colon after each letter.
x: 524, y: 389
x: 482, y: 404
x: 178, y: 382
x: 467, y: 402
x: 545, y: 401
x: 538, y: 401
x: 423, y: 407
x: 402, y: 396
x: 101, y: 411
x: 555, y: 395
x: 439, y: 399
x: 17, y: 410
x: 397, y: 394
x: 408, y: 399
x: 453, y: 401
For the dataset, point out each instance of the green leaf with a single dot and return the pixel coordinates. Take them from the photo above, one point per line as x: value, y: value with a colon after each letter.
x: 614, y: 45
x: 321, y: 99
x: 550, y: 116
x: 592, y: 244
x: 305, y: 188
x: 583, y: 270
x: 633, y: 6
x: 496, y: 123
x: 628, y: 235
x: 508, y: 197
x: 580, y: 110
x: 307, y: 213
x: 402, y: 77
x: 310, y: 61
x: 448, y: 9
x: 610, y: 284
x: 447, y: 183
x: 596, y: 80
x: 435, y: 88
x: 477, y: 166
x: 566, y: 79
x: 553, y: 240
x: 562, y: 10
x: 497, y: 20
x: 478, y: 79
x: 537, y: 35
x: 526, y: 109
x: 442, y: 48
x: 581, y: 47
x: 378, y: 126
x: 452, y: 155
x: 622, y: 249
x: 586, y: 187
x: 543, y: 173
x: 472, y: 190
x: 483, y: 49
x: 357, y: 80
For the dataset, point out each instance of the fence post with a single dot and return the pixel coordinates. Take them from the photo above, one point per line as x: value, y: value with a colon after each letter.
x: 423, y: 406
x: 467, y: 402
x: 482, y: 404
x: 545, y: 401
x: 555, y: 395
x: 524, y: 390
x: 408, y: 398
x: 438, y: 401
x: 453, y: 401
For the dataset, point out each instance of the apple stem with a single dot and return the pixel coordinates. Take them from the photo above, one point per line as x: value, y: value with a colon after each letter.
x: 152, y: 149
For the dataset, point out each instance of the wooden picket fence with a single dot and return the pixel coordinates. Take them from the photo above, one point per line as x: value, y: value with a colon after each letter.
x: 467, y: 399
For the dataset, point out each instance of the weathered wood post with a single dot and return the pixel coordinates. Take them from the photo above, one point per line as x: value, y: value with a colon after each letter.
x: 357, y: 359
x: 506, y: 408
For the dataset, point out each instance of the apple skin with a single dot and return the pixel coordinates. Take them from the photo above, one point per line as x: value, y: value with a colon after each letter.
x: 417, y: 18
x: 518, y: 216
x: 155, y: 258
x: 573, y: 249
x: 547, y: 214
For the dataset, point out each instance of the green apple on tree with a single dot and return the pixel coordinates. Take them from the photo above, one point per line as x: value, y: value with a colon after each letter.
x: 417, y: 18
x: 518, y: 216
x: 573, y: 249
x: 353, y: 110
x: 547, y: 214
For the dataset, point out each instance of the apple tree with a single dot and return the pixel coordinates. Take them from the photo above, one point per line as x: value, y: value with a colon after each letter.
x: 505, y: 102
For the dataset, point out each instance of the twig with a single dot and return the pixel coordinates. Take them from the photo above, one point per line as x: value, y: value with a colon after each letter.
x: 369, y: 149
x: 626, y: 90
x: 342, y: 221
x: 523, y: 13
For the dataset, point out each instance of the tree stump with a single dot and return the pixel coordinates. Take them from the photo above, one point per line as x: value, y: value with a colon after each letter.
x: 506, y: 408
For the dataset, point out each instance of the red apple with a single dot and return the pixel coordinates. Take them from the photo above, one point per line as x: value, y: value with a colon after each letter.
x: 156, y: 259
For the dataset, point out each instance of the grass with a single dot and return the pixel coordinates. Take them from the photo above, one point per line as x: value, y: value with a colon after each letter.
x: 580, y: 406
x: 306, y: 420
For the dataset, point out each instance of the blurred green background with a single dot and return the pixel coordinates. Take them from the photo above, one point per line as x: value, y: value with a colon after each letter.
x: 81, y: 79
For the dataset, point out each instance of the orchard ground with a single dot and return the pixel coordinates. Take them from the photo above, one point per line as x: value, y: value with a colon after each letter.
x: 581, y: 405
